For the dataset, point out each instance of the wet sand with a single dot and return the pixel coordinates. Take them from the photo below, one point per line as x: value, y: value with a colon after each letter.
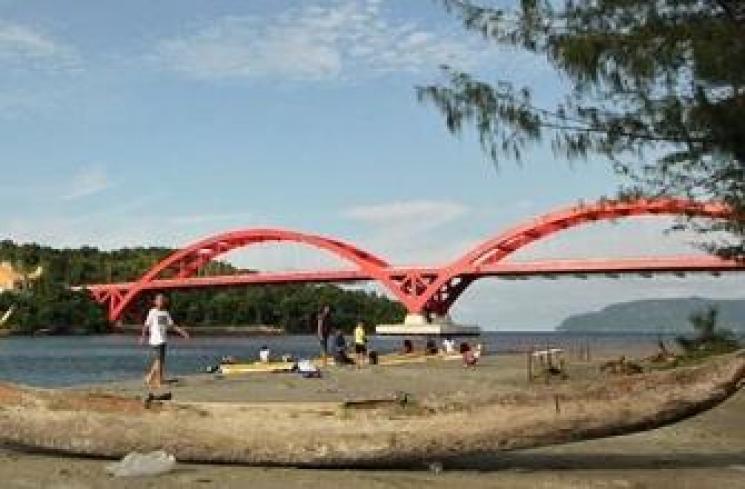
x: 705, y: 451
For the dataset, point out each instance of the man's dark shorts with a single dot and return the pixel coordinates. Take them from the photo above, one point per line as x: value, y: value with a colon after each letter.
x: 360, y: 348
x: 159, y: 353
x: 324, y: 341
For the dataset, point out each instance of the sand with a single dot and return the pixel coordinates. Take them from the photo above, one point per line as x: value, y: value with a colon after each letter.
x: 705, y: 451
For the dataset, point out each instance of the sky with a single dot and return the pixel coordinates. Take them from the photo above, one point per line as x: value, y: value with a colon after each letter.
x: 158, y: 123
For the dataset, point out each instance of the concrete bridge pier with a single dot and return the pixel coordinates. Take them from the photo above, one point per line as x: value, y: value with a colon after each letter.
x: 417, y: 324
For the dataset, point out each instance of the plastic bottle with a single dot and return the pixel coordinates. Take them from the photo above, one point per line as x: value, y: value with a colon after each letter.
x: 136, y: 464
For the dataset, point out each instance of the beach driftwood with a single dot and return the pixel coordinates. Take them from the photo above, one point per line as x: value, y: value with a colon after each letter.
x: 335, y: 434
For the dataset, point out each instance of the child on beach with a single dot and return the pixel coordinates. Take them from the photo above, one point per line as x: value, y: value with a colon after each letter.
x: 470, y: 358
x: 360, y: 342
x: 156, y: 326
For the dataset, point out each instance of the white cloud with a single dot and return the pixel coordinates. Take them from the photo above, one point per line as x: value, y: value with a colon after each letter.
x: 192, y: 219
x: 86, y: 182
x: 349, y: 37
x: 632, y: 237
x: 412, y: 231
x: 22, y: 47
x: 429, y: 213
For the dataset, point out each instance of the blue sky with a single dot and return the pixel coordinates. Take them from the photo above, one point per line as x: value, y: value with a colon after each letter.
x: 139, y: 122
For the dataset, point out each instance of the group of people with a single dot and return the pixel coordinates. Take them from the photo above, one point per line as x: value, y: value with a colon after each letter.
x: 470, y: 355
x: 326, y: 330
x: 159, y: 322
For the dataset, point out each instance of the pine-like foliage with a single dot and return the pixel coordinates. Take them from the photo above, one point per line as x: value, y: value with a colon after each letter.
x: 659, y: 79
x: 709, y: 338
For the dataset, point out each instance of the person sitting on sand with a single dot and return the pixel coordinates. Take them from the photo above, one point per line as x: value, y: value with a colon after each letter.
x: 340, y: 349
x: 448, y: 345
x: 407, y: 347
x: 469, y: 359
x: 478, y: 351
x: 264, y: 354
x: 157, y: 324
x: 360, y: 342
x: 430, y: 347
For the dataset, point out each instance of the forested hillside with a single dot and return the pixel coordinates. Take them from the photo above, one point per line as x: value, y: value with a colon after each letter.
x: 47, y: 303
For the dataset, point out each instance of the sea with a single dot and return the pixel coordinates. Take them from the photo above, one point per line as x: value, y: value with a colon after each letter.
x: 63, y: 361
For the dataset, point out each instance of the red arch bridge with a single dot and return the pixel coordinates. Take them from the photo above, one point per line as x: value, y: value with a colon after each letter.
x: 424, y: 291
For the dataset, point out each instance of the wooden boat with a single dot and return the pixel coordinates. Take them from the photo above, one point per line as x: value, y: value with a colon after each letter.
x: 343, y: 434
x: 417, y: 357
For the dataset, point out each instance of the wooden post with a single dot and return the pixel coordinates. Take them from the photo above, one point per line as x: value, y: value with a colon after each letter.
x: 556, y: 402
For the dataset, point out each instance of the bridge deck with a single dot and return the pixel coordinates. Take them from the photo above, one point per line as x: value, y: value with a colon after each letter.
x: 544, y: 268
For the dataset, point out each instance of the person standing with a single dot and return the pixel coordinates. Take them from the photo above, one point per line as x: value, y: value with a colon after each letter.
x: 156, y: 327
x: 448, y: 345
x: 360, y: 342
x: 264, y: 354
x: 323, y: 330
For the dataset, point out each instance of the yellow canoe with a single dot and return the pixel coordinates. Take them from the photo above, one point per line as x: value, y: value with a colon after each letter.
x: 255, y: 367
x: 385, y: 360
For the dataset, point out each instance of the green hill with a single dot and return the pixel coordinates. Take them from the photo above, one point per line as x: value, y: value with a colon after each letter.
x: 48, y: 302
x: 656, y: 316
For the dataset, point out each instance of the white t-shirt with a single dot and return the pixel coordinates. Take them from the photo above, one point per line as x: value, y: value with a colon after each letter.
x: 306, y: 366
x: 264, y: 354
x: 157, y: 323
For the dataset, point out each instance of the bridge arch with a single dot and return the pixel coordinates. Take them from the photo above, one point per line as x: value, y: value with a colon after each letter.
x: 422, y: 290
x: 455, y: 278
x: 188, y: 261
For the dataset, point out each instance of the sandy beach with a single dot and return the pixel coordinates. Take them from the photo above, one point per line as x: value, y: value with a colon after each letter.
x: 705, y: 451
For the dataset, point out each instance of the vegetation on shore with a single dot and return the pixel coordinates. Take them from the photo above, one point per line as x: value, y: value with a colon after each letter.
x: 49, y: 304
x: 709, y: 338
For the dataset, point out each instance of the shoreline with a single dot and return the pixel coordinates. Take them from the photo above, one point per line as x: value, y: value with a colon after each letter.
x: 134, y: 329
x: 237, y: 330
x: 269, y: 330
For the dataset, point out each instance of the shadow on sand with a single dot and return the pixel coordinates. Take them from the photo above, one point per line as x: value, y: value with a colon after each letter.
x: 535, y: 462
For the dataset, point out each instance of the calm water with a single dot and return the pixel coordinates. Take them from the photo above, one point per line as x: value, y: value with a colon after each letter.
x: 65, y: 361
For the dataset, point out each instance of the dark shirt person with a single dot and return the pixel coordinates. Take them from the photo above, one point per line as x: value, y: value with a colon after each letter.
x: 430, y: 347
x: 340, y: 349
x: 323, y: 329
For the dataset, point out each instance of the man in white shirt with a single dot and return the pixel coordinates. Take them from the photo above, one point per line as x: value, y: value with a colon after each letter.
x: 157, y: 324
x: 264, y: 354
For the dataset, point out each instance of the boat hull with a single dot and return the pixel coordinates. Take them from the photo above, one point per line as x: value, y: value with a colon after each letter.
x: 335, y: 434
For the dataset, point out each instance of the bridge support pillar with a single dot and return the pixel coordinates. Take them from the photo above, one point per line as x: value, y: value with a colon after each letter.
x: 417, y: 324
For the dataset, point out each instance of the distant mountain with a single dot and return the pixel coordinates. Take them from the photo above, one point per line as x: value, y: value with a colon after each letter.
x: 656, y: 316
